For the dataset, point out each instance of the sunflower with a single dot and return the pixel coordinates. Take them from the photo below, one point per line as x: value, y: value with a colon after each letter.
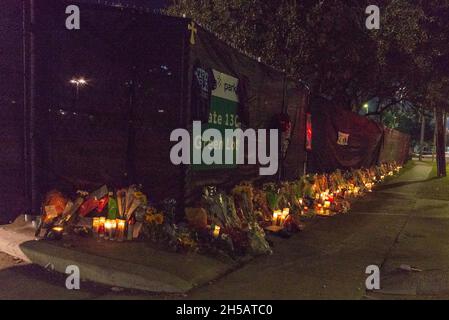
x: 159, y: 218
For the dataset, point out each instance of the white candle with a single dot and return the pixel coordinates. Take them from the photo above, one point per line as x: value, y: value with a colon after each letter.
x: 276, y: 216
x: 107, y: 229
x: 121, y: 224
x: 216, y: 231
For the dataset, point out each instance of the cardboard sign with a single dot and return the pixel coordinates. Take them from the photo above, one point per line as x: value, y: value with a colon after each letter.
x: 343, y: 138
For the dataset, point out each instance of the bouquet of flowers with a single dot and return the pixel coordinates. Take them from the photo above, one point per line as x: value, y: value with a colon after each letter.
x: 261, y: 204
x: 243, y: 197
x: 273, y: 195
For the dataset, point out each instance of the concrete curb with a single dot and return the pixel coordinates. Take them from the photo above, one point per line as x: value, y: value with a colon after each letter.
x: 18, y: 240
x: 103, y: 270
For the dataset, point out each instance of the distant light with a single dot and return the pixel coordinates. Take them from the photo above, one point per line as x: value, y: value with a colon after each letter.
x: 78, y: 81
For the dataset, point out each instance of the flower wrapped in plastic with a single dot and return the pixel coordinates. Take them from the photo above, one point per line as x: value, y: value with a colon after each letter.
x: 273, y: 195
x: 261, y: 205
x: 221, y: 209
x: 258, y: 245
x: 243, y: 197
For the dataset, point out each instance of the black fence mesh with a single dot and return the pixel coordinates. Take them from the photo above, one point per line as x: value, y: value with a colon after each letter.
x: 12, y: 120
x: 116, y: 128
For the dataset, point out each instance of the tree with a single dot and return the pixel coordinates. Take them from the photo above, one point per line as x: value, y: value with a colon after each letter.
x: 324, y: 43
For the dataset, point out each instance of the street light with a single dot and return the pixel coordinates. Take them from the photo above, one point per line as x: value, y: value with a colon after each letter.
x: 366, y: 107
x: 78, y: 82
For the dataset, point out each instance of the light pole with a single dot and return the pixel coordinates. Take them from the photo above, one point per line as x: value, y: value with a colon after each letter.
x: 78, y: 82
x: 421, y: 141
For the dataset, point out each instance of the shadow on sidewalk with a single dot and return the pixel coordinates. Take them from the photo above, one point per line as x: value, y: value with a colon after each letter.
x: 31, y: 282
x: 404, y: 183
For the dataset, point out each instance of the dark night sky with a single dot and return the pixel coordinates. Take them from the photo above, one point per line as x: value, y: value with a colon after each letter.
x: 151, y: 4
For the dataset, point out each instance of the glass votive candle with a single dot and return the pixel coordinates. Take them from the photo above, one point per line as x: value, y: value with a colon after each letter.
x: 276, y: 216
x: 216, y: 232
x: 96, y: 225
x: 107, y: 229
x: 57, y: 232
x: 120, y: 233
x: 113, y: 229
x: 101, y: 228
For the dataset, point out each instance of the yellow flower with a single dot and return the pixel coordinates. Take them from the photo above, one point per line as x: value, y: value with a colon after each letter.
x: 149, y: 218
x: 151, y: 211
x: 141, y: 196
x: 159, y: 218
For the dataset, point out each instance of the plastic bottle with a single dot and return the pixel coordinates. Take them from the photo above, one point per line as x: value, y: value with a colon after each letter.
x: 112, y: 207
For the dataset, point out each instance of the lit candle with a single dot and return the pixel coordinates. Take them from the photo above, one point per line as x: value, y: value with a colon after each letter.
x: 284, y: 216
x: 216, y: 232
x: 101, y: 227
x: 107, y: 229
x: 276, y: 216
x: 57, y: 232
x: 301, y: 202
x: 113, y: 229
x: 121, y: 224
x: 95, y: 225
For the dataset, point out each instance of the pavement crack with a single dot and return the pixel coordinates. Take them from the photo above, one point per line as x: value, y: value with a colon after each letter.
x: 395, y: 241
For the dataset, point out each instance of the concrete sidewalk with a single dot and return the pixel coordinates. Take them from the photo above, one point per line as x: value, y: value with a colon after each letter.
x: 387, y: 228
x: 394, y: 225
x: 423, y: 243
x: 131, y: 265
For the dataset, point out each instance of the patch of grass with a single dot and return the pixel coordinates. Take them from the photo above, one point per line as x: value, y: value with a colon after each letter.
x: 435, y: 188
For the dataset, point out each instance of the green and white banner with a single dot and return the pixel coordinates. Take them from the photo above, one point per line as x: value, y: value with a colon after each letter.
x: 224, y: 102
x: 222, y: 116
